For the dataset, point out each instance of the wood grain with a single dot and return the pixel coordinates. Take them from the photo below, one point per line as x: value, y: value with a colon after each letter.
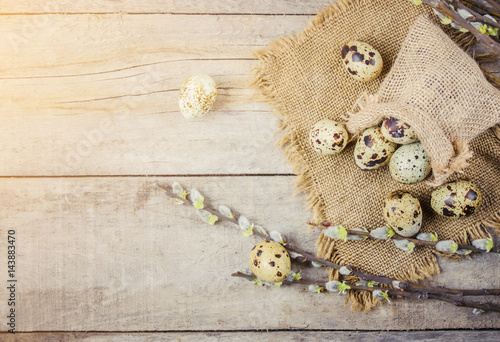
x: 165, y: 6
x: 97, y: 95
x: 114, y: 254
x: 274, y: 336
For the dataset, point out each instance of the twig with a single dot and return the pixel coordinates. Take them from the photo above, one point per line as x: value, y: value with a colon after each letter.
x: 495, y: 4
x: 482, y: 8
x: 305, y: 256
x: 417, y: 242
x: 476, y: 16
x: 454, y: 299
x: 445, y: 9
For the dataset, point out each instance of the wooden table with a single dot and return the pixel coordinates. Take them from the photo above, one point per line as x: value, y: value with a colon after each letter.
x: 90, y: 123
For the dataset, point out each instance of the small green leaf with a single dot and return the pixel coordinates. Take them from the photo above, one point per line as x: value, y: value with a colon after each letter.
x: 492, y: 31
x: 278, y: 285
x: 212, y: 219
x: 454, y: 247
x: 446, y: 21
x: 489, y: 244
x: 316, y: 264
x: 390, y: 231
x: 372, y: 283
x: 296, y: 275
x: 248, y: 231
x: 411, y: 247
x: 343, y: 287
x: 178, y: 201
x: 257, y: 281
x: 198, y: 204
x: 385, y: 295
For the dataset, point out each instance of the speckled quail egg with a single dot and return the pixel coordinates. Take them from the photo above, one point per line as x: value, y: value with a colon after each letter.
x: 328, y: 137
x: 372, y: 150
x: 197, y: 95
x: 362, y: 61
x: 456, y: 199
x: 410, y: 164
x: 270, y: 261
x: 398, y: 132
x: 403, y: 213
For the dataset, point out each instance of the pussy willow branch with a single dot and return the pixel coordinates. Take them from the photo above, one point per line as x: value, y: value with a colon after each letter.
x: 494, y: 4
x: 476, y: 16
x: 454, y: 299
x: 445, y: 8
x: 417, y: 242
x: 407, y: 286
x: 482, y: 8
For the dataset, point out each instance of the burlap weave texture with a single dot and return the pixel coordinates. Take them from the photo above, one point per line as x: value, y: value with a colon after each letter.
x: 304, y: 78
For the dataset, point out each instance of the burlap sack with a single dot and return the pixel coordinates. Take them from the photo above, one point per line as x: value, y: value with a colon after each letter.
x: 304, y: 78
x: 440, y: 91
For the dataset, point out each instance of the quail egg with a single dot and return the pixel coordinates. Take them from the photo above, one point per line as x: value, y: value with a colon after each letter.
x: 328, y: 137
x: 362, y: 61
x: 410, y: 164
x: 372, y: 150
x: 270, y: 261
x: 398, y: 132
x: 456, y: 199
x: 197, y: 95
x: 403, y: 213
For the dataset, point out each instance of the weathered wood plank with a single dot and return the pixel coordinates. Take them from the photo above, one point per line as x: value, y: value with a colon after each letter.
x: 296, y: 336
x: 97, y: 94
x: 114, y: 254
x: 162, y: 6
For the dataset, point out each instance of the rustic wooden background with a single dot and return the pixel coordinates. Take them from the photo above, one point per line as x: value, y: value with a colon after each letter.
x: 89, y: 123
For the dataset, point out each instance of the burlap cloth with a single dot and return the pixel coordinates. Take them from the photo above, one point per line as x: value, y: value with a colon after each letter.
x: 304, y: 78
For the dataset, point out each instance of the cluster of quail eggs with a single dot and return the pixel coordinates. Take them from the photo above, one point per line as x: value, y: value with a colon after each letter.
x: 453, y: 200
x: 376, y: 146
x: 394, y: 143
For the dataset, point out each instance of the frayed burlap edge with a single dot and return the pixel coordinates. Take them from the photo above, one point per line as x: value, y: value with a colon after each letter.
x: 305, y: 182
